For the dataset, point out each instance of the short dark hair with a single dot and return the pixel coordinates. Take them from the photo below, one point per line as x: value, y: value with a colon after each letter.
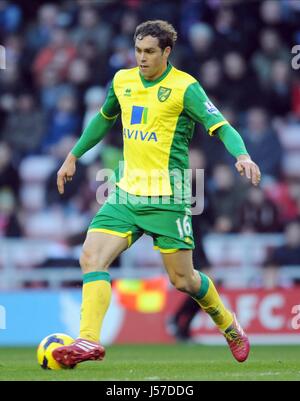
x: 162, y: 30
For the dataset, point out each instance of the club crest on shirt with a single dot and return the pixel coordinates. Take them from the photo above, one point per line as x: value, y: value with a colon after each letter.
x: 163, y: 93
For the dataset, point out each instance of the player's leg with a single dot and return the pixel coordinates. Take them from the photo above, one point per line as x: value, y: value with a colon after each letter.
x: 99, y: 251
x: 111, y: 231
x: 200, y: 287
x: 172, y: 232
x: 179, y: 324
x: 184, y: 277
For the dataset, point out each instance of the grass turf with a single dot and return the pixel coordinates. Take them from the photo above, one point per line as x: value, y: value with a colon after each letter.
x: 161, y: 362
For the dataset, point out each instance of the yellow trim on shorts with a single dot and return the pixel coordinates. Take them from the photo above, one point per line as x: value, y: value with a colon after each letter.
x: 214, y: 127
x: 162, y: 250
x: 128, y: 234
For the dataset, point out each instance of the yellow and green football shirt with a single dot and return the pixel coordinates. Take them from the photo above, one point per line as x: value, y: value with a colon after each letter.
x: 158, y: 119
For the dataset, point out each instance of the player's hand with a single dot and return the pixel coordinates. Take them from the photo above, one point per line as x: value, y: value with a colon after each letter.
x: 66, y: 172
x: 245, y: 166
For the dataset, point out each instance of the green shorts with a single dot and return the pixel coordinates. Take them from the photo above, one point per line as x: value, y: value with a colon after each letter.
x: 131, y: 216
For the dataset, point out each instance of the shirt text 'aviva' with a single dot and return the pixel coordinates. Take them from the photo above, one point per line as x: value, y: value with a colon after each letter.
x: 139, y: 135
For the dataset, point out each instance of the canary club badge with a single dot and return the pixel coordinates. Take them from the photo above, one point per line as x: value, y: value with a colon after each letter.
x: 163, y: 93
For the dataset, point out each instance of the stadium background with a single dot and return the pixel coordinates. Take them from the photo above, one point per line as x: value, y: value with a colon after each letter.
x: 60, y: 58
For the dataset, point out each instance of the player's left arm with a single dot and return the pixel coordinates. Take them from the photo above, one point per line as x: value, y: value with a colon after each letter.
x: 236, y: 147
x: 198, y: 106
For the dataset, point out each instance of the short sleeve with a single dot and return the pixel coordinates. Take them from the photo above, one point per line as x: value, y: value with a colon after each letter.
x: 198, y: 107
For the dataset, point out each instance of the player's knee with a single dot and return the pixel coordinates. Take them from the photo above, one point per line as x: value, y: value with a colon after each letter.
x: 90, y: 262
x: 182, y: 283
x: 87, y: 261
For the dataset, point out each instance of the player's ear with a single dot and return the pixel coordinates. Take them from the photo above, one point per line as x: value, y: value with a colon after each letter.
x: 167, y: 51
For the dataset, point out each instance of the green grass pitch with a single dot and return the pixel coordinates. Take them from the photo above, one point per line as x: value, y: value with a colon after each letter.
x: 161, y: 362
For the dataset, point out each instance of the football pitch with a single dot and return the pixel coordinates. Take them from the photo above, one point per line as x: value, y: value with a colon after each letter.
x: 161, y: 362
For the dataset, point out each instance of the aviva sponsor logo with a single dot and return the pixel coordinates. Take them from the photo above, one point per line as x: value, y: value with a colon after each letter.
x: 139, y: 115
x: 139, y: 135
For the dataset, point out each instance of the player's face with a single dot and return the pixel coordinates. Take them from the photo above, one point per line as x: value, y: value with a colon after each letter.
x: 151, y: 59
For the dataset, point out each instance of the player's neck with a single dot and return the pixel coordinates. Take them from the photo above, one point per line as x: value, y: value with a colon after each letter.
x: 158, y: 74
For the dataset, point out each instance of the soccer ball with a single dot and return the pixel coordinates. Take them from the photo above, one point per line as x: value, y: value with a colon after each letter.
x: 47, y: 346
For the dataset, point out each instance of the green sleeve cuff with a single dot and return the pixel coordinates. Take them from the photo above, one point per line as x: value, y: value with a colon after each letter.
x: 93, y: 134
x: 232, y: 140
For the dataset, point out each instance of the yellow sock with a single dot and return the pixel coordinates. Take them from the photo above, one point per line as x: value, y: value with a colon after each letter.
x: 210, y: 301
x: 96, y: 294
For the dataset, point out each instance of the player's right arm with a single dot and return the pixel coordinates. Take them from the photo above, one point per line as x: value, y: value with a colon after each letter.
x: 95, y: 131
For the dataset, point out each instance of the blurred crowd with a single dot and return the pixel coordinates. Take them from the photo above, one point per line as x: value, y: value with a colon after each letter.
x: 60, y: 59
